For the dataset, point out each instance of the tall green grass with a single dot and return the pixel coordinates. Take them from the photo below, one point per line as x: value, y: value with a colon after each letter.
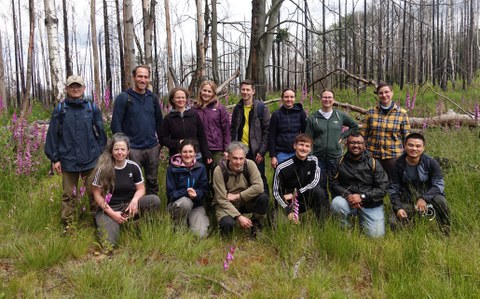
x: 291, y: 261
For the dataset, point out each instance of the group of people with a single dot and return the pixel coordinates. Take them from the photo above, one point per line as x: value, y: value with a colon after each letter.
x: 215, y: 161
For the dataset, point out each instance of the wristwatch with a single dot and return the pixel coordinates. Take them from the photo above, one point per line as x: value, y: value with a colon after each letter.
x: 363, y: 196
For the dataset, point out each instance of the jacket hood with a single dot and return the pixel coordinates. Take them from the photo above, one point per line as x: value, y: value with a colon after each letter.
x: 318, y: 114
x: 185, y: 113
x: 176, y: 161
x: 296, y: 107
x: 136, y: 95
x: 212, y: 103
x: 77, y: 102
x: 364, y: 156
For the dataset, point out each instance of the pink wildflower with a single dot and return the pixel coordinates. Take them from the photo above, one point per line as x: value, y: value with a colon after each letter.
x: 82, y: 190
x: 407, y: 100
x: 229, y: 258
x: 14, y: 118
x: 476, y: 111
x: 106, y: 98
x: 414, y: 98
x: 295, y: 207
x: 108, y: 197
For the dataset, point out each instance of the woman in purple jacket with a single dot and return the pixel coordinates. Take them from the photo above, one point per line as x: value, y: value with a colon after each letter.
x: 215, y: 120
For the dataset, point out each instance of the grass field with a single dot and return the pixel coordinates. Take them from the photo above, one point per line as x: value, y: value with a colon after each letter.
x: 304, y: 261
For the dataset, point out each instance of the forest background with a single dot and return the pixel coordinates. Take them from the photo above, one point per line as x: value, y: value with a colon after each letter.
x: 427, y: 49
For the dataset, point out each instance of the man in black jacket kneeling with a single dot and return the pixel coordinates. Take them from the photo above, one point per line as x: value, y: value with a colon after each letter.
x: 359, y: 185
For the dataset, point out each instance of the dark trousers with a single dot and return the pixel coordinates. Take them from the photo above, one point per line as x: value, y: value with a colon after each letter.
x: 258, y: 206
x: 70, y: 198
x: 327, y: 167
x: 316, y: 200
x: 148, y: 159
x: 261, y: 168
x: 389, y: 166
x: 440, y: 208
x: 109, y: 229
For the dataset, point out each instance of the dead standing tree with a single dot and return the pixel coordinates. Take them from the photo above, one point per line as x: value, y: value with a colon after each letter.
x: 51, y: 23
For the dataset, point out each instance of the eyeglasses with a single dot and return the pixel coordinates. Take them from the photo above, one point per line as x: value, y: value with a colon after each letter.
x: 356, y: 143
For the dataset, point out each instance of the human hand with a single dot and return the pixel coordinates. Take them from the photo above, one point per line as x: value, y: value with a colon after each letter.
x: 191, y: 193
x: 119, y: 217
x: 292, y: 218
x: 233, y: 197
x: 258, y: 159
x: 274, y: 162
x: 288, y: 197
x: 132, y: 208
x: 402, y: 214
x: 58, y: 167
x: 209, y: 161
x: 355, y: 201
x: 421, y: 205
x: 244, y: 222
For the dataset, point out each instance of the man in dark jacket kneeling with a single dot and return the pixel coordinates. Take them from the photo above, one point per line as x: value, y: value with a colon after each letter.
x: 418, y: 186
x: 359, y: 185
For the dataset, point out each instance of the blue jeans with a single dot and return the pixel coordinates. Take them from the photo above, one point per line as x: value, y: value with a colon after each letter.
x: 284, y: 156
x: 372, y: 220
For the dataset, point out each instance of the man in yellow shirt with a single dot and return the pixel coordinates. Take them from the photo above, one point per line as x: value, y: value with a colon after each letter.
x: 250, y: 121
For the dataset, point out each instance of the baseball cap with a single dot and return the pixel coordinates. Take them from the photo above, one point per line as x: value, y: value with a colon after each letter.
x: 75, y: 79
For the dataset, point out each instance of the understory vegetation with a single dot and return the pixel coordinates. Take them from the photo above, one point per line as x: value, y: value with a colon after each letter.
x: 304, y: 261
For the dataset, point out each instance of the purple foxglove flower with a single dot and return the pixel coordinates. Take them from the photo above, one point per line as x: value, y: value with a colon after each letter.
x: 476, y: 112
x: 108, y: 197
x: 82, y: 191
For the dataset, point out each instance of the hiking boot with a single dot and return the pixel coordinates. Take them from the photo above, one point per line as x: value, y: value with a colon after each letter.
x: 256, y: 228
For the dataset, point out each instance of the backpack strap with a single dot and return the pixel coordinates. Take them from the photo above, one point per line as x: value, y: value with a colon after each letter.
x: 245, y: 172
x: 260, y: 108
x: 372, y: 164
x: 61, y: 110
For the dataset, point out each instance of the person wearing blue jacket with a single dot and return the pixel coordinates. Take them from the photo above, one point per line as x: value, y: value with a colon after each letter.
x: 137, y: 114
x: 75, y: 140
x: 187, y: 187
x: 285, y: 124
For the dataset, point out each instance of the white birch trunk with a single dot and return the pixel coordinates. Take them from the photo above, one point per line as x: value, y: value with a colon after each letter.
x: 129, y: 41
x: 170, y: 84
x: 96, y: 73
x: 148, y: 19
x: 3, y: 94
x: 51, y: 24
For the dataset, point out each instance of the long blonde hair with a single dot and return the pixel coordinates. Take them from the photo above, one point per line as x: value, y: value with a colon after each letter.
x: 105, y: 169
x: 199, y: 103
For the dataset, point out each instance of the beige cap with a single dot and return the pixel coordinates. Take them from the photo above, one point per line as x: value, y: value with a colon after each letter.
x: 75, y: 79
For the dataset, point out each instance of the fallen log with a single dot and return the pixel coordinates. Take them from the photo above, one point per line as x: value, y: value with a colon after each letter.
x: 449, y: 119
